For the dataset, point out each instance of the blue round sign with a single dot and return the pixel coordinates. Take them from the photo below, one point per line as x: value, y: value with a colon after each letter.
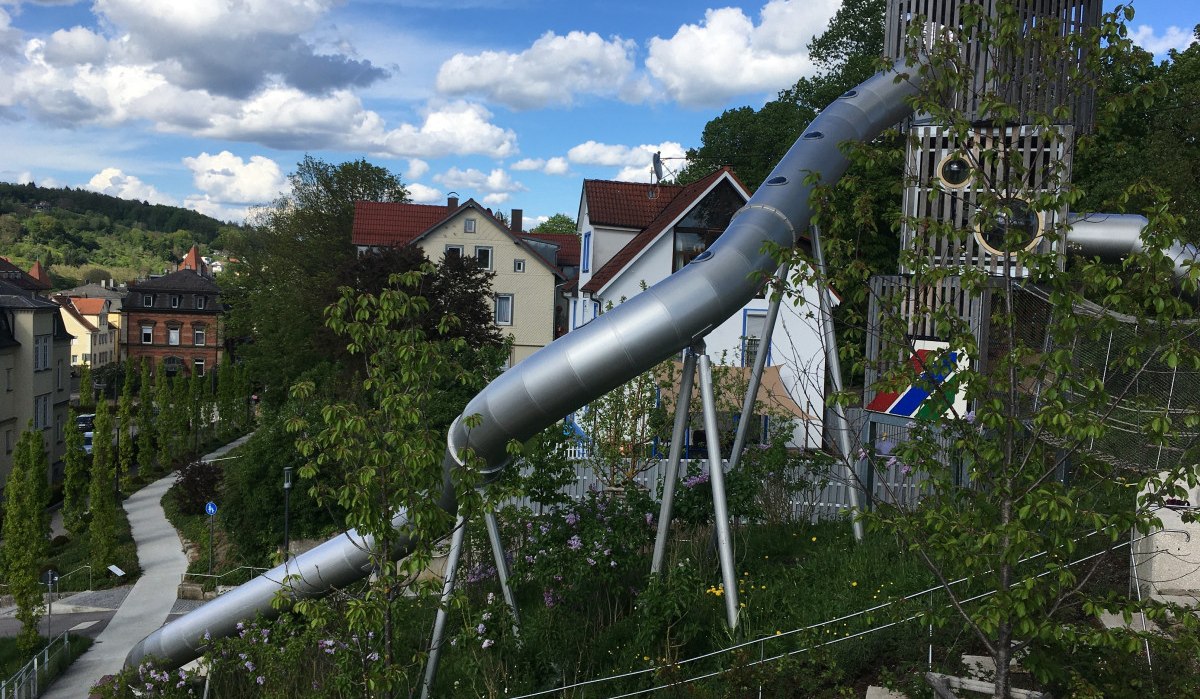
x: 210, y: 508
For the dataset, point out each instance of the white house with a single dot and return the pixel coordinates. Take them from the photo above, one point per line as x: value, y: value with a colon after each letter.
x: 634, y: 235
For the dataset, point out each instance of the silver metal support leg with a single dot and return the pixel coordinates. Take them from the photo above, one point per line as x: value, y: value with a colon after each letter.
x: 716, y: 475
x: 760, y: 362
x: 682, y: 406
x: 439, y: 624
x: 493, y: 529
x: 841, y: 426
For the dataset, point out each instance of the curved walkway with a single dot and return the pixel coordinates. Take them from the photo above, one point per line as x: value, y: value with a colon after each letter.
x: 160, y: 554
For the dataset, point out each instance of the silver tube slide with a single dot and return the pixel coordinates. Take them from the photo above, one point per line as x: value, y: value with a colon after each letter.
x: 1111, y: 237
x: 590, y: 361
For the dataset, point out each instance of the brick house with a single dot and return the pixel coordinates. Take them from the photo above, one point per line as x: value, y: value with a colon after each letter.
x: 175, y: 319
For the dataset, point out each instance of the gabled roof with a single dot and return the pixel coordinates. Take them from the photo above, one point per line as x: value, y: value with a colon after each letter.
x: 18, y: 277
x: 75, y: 313
x: 88, y: 306
x: 683, y: 200
x: 568, y: 245
x: 626, y: 204
x: 15, y: 296
x: 39, y: 274
x: 183, y: 280
x: 192, y: 261
x: 392, y: 224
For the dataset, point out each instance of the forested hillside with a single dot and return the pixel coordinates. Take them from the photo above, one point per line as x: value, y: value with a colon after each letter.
x: 86, y: 236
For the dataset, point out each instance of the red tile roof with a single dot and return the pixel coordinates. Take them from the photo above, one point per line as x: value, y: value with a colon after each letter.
x: 88, y: 306
x: 685, y: 198
x: 394, y: 225
x: 15, y: 275
x: 626, y: 204
x: 75, y: 313
x: 568, y: 246
x: 40, y: 275
x: 192, y: 260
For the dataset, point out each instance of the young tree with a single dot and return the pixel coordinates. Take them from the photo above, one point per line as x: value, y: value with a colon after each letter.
x: 181, y: 414
x: 388, y: 455
x: 166, y: 421
x: 125, y: 427
x: 86, y: 392
x: 26, y: 533
x: 1019, y: 488
x: 75, y: 479
x: 145, y: 418
x: 102, y: 493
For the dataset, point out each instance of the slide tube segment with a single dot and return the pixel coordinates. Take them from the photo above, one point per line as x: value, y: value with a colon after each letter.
x: 590, y: 361
x: 1111, y: 237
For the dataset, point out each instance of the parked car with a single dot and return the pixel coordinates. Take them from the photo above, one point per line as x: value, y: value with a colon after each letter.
x: 86, y: 423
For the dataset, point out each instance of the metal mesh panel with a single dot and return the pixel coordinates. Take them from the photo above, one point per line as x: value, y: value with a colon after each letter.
x: 1027, y: 162
x: 1035, y: 82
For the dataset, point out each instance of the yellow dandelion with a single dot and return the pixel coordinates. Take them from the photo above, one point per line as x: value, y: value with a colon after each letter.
x: 778, y: 632
x: 814, y: 538
x: 854, y: 584
x: 646, y: 658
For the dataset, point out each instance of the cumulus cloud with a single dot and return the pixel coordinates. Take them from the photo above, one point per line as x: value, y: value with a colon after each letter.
x: 227, y: 178
x: 728, y: 53
x: 553, y: 166
x: 424, y: 194
x: 1159, y: 44
x: 459, y: 128
x: 496, y: 198
x: 416, y: 169
x: 490, y: 184
x: 634, y: 161
x: 553, y: 71
x: 114, y: 182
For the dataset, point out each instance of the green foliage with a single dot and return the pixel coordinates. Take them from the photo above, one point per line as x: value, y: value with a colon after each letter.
x: 87, y: 396
x: 145, y: 418
x: 558, y: 223
x: 196, y: 483
x: 165, y: 422
x: 26, y: 533
x: 75, y: 478
x: 290, y: 261
x: 125, y: 424
x: 102, y: 496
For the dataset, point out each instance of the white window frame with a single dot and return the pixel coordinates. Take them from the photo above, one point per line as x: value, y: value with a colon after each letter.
x: 198, y: 366
x: 173, y: 336
x: 176, y: 300
x: 42, y: 346
x: 490, y: 256
x: 454, y: 248
x: 148, y: 300
x: 518, y: 265
x: 199, y: 336
x: 201, y: 302
x: 469, y: 225
x: 147, y: 336
x: 499, y: 303
x: 41, y: 412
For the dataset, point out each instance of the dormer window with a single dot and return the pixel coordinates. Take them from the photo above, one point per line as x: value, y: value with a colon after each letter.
x: 201, y: 302
x: 176, y: 299
x: 469, y: 225
x: 148, y: 300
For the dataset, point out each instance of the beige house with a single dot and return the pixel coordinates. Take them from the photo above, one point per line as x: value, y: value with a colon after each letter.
x: 95, y: 338
x: 524, y: 288
x: 35, y: 374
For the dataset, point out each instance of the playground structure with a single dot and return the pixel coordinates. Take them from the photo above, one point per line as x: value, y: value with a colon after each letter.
x: 674, y: 315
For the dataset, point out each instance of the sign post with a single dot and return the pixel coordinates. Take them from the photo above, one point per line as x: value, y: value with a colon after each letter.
x: 49, y: 579
x: 210, y: 508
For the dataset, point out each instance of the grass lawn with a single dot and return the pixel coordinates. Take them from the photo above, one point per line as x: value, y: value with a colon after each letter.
x: 11, y: 659
x: 71, y: 554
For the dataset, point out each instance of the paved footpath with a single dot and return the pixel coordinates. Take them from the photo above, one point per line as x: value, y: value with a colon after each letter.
x: 145, y: 608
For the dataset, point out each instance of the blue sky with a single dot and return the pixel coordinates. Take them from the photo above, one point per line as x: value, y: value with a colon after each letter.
x: 210, y: 103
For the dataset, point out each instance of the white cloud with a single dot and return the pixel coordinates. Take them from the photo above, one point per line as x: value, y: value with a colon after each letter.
x: 459, y: 128
x: 227, y: 178
x: 209, y: 206
x: 1173, y: 38
x: 552, y: 71
x: 416, y: 169
x: 496, y: 198
x: 728, y: 54
x: 496, y: 182
x: 634, y: 161
x: 422, y: 194
x: 553, y: 166
x: 112, y: 181
x: 75, y: 46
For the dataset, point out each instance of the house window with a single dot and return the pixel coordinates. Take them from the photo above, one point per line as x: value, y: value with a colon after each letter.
x: 175, y: 300
x: 454, y: 251
x: 173, y: 365
x: 585, y: 257
x: 198, y: 367
x: 504, y: 309
x: 41, y: 412
x: 58, y: 376
x: 198, y: 336
x: 58, y: 429
x: 483, y: 255
x: 8, y: 376
x: 148, y: 300
x: 87, y: 358
x: 201, y: 302
x: 147, y: 337
x: 518, y: 265
x: 8, y: 441
x: 41, y: 352
x: 469, y: 225
x: 172, y: 336
x: 754, y: 326
x: 74, y: 359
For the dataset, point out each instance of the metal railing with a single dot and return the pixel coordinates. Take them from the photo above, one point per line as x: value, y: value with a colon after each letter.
x: 37, y: 674
x: 236, y: 576
x: 64, y: 576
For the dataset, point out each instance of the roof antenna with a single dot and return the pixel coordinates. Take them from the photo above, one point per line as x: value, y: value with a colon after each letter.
x: 656, y: 173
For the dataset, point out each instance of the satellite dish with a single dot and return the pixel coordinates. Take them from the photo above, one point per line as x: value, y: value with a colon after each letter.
x: 658, y: 166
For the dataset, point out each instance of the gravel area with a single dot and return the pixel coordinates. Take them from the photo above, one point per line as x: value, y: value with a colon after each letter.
x: 183, y: 606
x: 101, y: 599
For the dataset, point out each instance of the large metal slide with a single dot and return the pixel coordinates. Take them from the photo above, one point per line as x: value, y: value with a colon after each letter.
x: 587, y: 363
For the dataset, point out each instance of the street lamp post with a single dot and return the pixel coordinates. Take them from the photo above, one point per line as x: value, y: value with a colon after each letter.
x: 287, y: 497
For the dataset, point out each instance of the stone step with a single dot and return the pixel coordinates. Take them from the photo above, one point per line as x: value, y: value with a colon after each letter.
x: 874, y: 692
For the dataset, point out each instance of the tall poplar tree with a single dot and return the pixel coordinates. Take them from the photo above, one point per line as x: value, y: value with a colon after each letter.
x: 26, y: 533
x: 166, y: 428
x: 125, y: 427
x: 145, y: 419
x: 85, y: 386
x: 75, y: 479
x: 102, y: 496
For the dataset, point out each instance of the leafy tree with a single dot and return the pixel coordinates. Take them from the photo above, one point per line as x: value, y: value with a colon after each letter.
x: 166, y: 420
x: 558, y: 223
x: 26, y: 533
x: 289, y: 261
x: 181, y: 415
x: 125, y: 424
x: 102, y: 495
x: 1036, y: 449
x: 145, y: 418
x: 75, y: 478
x: 385, y: 454
x: 86, y: 392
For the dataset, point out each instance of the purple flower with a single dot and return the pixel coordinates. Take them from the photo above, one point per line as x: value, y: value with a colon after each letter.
x: 249, y: 666
x: 372, y: 656
x: 488, y: 643
x: 260, y: 679
x: 572, y: 519
x: 574, y: 543
x: 549, y: 598
x: 649, y: 519
x: 970, y: 417
x: 591, y: 561
x: 481, y: 629
x: 905, y: 469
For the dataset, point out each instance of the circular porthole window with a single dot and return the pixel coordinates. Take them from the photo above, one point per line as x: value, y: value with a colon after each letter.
x: 954, y: 171
x: 1014, y: 226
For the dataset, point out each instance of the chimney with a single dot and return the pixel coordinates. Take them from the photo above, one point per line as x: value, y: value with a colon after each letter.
x: 452, y: 202
x: 515, y: 222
